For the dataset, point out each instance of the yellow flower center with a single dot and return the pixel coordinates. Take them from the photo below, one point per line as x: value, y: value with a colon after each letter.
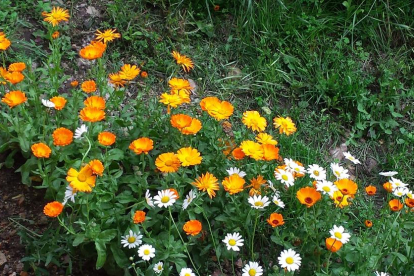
x: 326, y: 189
x: 131, y: 239
x: 187, y: 274
x: 276, y: 202
x: 285, y: 177
x: 289, y: 260
x: 188, y: 158
x: 159, y: 267
x: 337, y: 173
x: 165, y: 199
x: 297, y: 169
x: 147, y: 252
x: 82, y: 177
x: 338, y: 235
x: 316, y: 173
x: 252, y: 272
x: 232, y: 242
x: 168, y: 163
x: 258, y: 203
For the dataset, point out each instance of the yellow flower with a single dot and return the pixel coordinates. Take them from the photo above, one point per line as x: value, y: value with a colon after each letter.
x: 83, y: 181
x: 207, y: 183
x: 107, y: 35
x: 253, y: 120
x: 167, y: 162
x: 116, y: 80
x: 56, y: 15
x: 129, y: 72
x: 189, y: 156
x: 265, y: 139
x: 95, y: 101
x: 14, y: 98
x: 185, y: 62
x: 252, y: 149
x: 233, y: 184
x: 171, y: 100
x: 179, y: 84
x: 285, y: 125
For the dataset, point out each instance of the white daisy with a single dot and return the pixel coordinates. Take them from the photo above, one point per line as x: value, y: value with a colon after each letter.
x: 297, y: 168
x: 186, y: 272
x: 132, y: 240
x: 233, y: 241
x: 258, y: 202
x: 148, y: 199
x: 339, y: 234
x: 271, y: 186
x: 290, y: 164
x: 326, y: 187
x: 396, y: 183
x: 276, y: 200
x: 410, y: 194
x: 351, y: 158
x: 159, y: 267
x: 79, y: 131
x: 289, y: 260
x: 400, y: 191
x: 69, y: 195
x: 165, y: 198
x: 235, y: 170
x: 392, y: 173
x: 252, y: 269
x: 381, y: 273
x: 339, y: 171
x: 188, y: 199
x: 146, y: 252
x: 285, y: 177
x: 316, y: 172
x: 48, y: 103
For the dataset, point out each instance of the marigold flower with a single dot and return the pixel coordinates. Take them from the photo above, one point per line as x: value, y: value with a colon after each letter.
x: 14, y: 77
x: 265, y: 139
x: 177, y: 84
x: 55, y: 34
x: 83, y: 181
x: 141, y: 145
x: 207, y: 183
x: 116, y: 80
x: 340, y: 200
x: 167, y: 162
x: 409, y: 202
x: 346, y: 186
x: 233, y: 184
x: 253, y: 120
x: 41, y: 150
x: 62, y: 137
x: 238, y: 154
x: 144, y: 74
x: 106, y: 138
x: 192, y: 227
x: 93, y: 51
x: 107, y: 35
x: 88, y: 86
x: 368, y: 223
x: 95, y: 101
x: 285, y: 125
x: 74, y: 83
x: 96, y: 166
x: 333, y: 245
x: 308, y: 196
x: 185, y: 62
x: 388, y: 187
x: 370, y: 190
x: 252, y: 149
x: 53, y: 209
x: 171, y: 100
x: 270, y: 152
x: 4, y: 42
x: 275, y: 220
x: 59, y: 102
x: 256, y: 183
x: 395, y: 205
x: 129, y: 72
x: 14, y: 98
x: 175, y: 192
x: 17, y: 67
x: 139, y: 217
x: 56, y: 16
x: 221, y: 111
x: 180, y: 121
x: 189, y: 156
x: 92, y: 114
x: 209, y: 102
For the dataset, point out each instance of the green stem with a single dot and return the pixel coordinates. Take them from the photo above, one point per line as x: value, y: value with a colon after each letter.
x: 64, y: 226
x: 254, y: 231
x: 327, y: 262
x: 232, y: 263
x: 89, y: 148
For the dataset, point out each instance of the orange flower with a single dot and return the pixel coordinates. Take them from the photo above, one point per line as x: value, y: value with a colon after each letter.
x: 192, y: 227
x: 177, y: 84
x: 238, y: 154
x: 368, y: 223
x: 14, y: 98
x: 142, y: 145
x: 256, y: 184
x: 185, y: 62
x: 106, y: 138
x: 4, y: 42
x: 175, y: 192
x: 270, y: 152
x: 41, y: 150
x: 55, y: 35
x: 107, y: 35
x: 14, y: 77
x: 62, y: 137
x: 275, y: 220
x: 265, y: 139
x: 53, y: 209
x: 129, y: 72
x: 17, y: 67
x: 167, y: 162
x: 409, y: 202
x: 93, y: 51
x: 216, y: 7
x: 308, y: 196
x: 347, y: 186
x: 96, y: 166
x: 116, y: 80
x: 92, y: 114
x: 333, y: 245
x: 59, y: 102
x: 233, y: 184
x: 83, y: 181
x: 285, y: 125
x: 395, y: 205
x: 180, y: 121
x: 252, y: 149
x: 74, y: 83
x: 207, y: 183
x: 387, y: 186
x: 95, y: 101
x: 370, y: 190
x: 209, y: 102
x: 56, y: 15
x: 139, y: 217
x: 217, y: 109
x: 144, y: 74
x: 88, y: 86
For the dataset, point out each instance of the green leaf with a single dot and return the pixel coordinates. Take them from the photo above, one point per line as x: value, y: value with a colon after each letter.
x: 119, y: 255
x: 101, y: 249
x: 400, y: 256
x: 78, y: 239
x: 107, y: 235
x: 115, y: 154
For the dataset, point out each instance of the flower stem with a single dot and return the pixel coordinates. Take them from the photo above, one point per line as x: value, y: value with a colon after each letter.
x: 254, y: 231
